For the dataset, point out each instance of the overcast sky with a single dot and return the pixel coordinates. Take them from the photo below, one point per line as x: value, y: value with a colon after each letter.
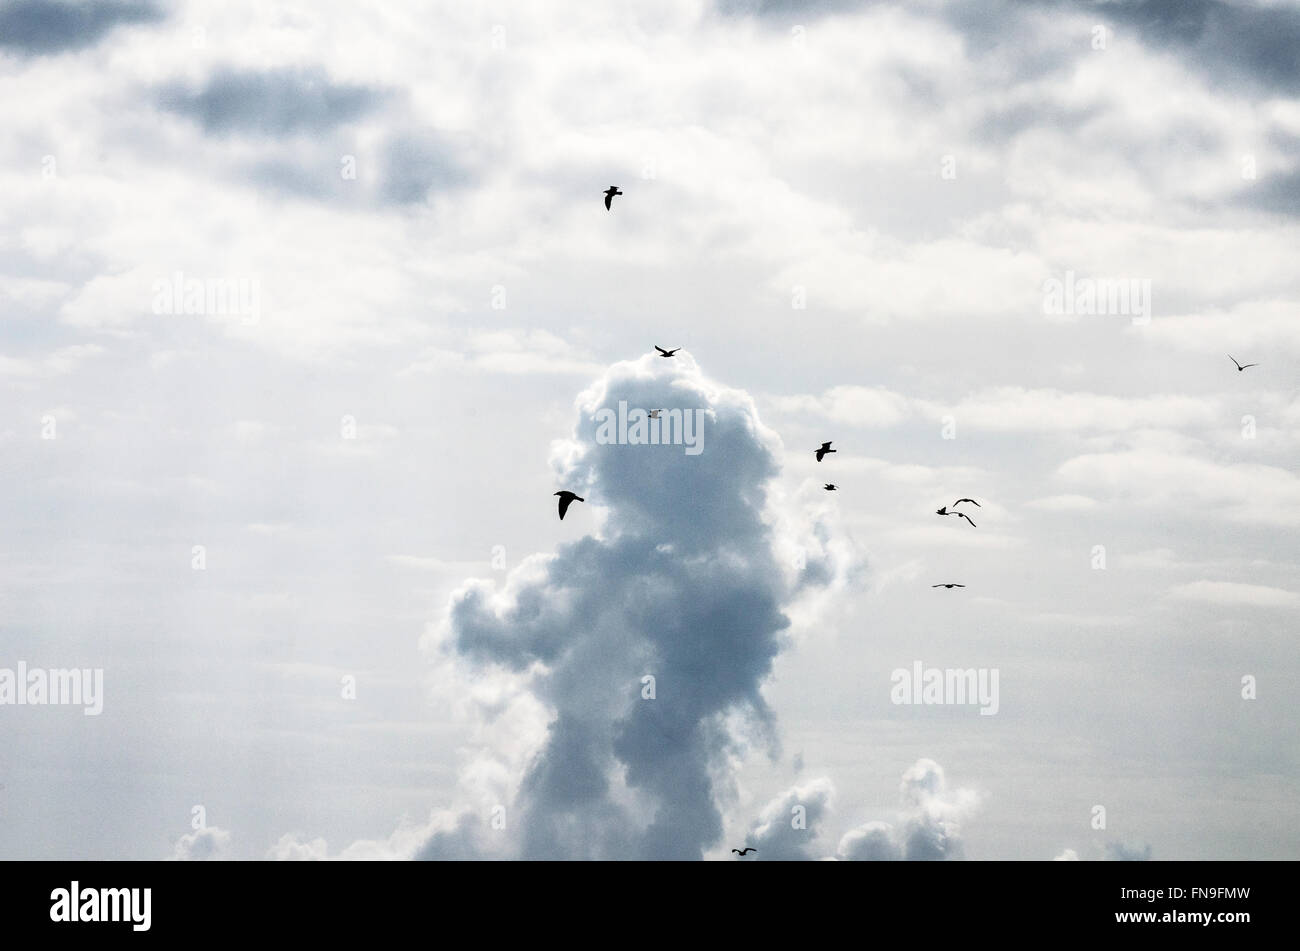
x: 311, y: 541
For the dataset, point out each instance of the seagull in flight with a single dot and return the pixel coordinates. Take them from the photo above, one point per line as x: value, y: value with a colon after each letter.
x: 947, y: 586
x: 830, y: 487
x: 826, y: 447
x: 666, y: 353
x: 744, y: 850
x: 566, y: 498
x: 610, y: 192
x: 1239, y: 366
x: 944, y: 511
x: 971, y: 501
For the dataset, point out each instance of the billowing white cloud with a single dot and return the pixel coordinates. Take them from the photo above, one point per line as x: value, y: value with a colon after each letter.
x: 202, y: 845
x: 928, y: 827
x: 639, y: 651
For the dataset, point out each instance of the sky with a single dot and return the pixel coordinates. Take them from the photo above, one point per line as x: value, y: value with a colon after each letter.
x: 308, y: 310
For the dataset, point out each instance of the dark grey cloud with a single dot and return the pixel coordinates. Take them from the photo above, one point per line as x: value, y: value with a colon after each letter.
x: 273, y: 103
x: 38, y: 27
x: 1237, y: 43
x: 1278, y: 193
x: 415, y: 163
x: 1233, y: 41
x: 683, y: 586
x: 1127, y: 852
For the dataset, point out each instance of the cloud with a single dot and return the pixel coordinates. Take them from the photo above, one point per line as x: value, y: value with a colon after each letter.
x: 273, y: 103
x: 201, y: 845
x: 870, y: 842
x: 1126, y: 852
x: 929, y: 827
x: 852, y: 405
x: 680, y: 582
x: 1236, y: 43
x: 415, y: 163
x: 1230, y: 592
x: 1068, y: 855
x: 1243, y: 45
x: 291, y: 848
x: 1063, y: 503
x: 1244, y: 492
x: 38, y: 27
x: 786, y: 830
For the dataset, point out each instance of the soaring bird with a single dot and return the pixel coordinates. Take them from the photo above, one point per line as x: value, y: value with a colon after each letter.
x: 610, y: 192
x: 666, y: 353
x: 830, y: 487
x: 566, y: 497
x: 1239, y: 366
x: 947, y: 586
x: 971, y: 501
x: 826, y: 447
x: 744, y: 850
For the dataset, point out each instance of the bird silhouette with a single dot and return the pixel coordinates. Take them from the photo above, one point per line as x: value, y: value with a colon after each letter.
x: 971, y: 501
x: 610, y: 192
x: 566, y: 498
x: 947, y: 586
x: 830, y: 487
x: 744, y: 850
x: 666, y: 353
x: 965, y: 516
x: 826, y: 447
x: 1239, y: 366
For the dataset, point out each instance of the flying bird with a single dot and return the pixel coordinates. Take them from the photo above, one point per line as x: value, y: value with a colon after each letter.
x: 1239, y: 366
x: 567, y: 497
x: 830, y: 487
x: 744, y: 850
x: 666, y: 353
x: 965, y: 516
x: 971, y: 501
x: 947, y: 586
x: 826, y: 447
x: 610, y: 192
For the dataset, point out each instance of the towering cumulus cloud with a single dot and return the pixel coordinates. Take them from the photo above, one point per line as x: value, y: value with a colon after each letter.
x: 682, y: 583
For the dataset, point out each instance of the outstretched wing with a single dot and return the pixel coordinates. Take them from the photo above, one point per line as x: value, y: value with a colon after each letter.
x: 967, y: 518
x: 661, y: 349
x: 1244, y: 365
x: 1234, y: 360
x: 564, y: 505
x: 608, y: 198
x: 971, y: 501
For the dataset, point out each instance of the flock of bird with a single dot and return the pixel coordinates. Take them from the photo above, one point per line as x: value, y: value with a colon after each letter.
x: 567, y: 497
x: 821, y: 451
